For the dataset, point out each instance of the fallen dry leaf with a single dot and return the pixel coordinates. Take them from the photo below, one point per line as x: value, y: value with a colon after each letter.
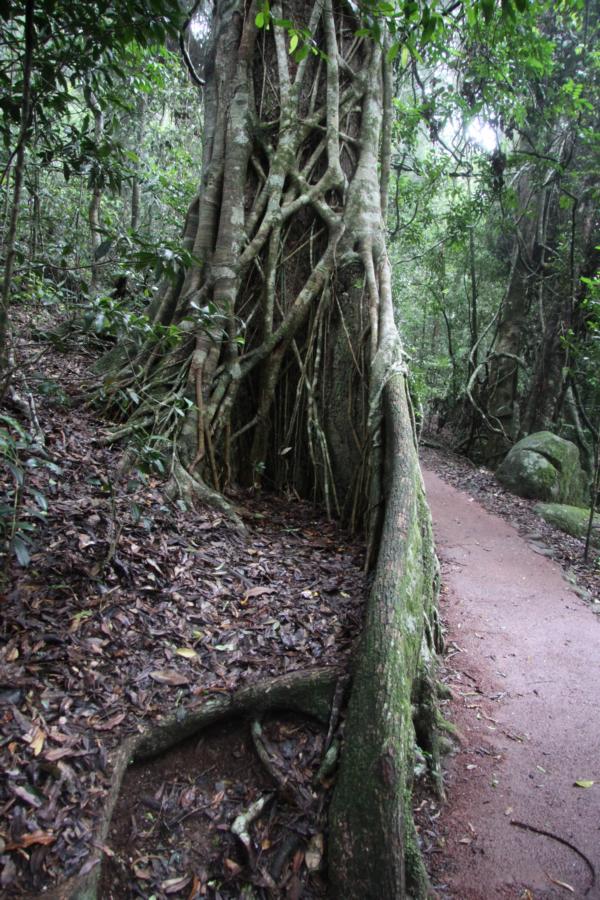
x: 37, y: 741
x: 314, y: 853
x: 232, y: 866
x: 258, y: 591
x: 111, y: 723
x: 169, y: 676
x: 186, y: 652
x: 562, y: 884
x: 174, y: 885
x: 35, y: 837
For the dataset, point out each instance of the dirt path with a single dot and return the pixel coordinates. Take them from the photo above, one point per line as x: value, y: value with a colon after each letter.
x: 524, y: 669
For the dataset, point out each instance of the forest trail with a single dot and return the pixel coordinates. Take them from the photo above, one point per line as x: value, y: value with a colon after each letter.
x: 523, y: 665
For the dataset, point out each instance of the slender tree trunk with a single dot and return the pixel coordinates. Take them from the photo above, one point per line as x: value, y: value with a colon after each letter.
x: 136, y: 188
x: 543, y: 403
x: 473, y: 313
x: 18, y: 172
x: 498, y: 393
x: 593, y: 495
x: 96, y: 198
x: 35, y: 227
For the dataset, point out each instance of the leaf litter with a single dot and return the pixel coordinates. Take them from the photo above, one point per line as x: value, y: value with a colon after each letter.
x: 130, y: 608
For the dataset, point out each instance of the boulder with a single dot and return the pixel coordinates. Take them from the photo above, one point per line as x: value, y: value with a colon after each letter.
x: 571, y: 519
x: 544, y: 466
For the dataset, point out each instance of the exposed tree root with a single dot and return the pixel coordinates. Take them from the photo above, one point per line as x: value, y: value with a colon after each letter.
x: 310, y: 692
x: 373, y: 852
x: 191, y: 487
x: 241, y: 825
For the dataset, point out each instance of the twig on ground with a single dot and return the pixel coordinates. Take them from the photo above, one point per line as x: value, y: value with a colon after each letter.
x: 561, y: 840
x: 241, y: 824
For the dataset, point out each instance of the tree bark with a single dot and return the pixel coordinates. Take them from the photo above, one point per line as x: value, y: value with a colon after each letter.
x: 136, y: 187
x: 373, y: 852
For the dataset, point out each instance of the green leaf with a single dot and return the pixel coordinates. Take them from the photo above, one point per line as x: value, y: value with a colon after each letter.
x: 404, y: 56
x: 508, y: 11
x: 584, y: 783
x: 293, y: 42
x: 535, y: 64
x: 40, y: 500
x: 17, y: 473
x: 21, y: 551
x: 428, y: 30
x: 260, y: 20
x: 393, y: 52
x: 301, y: 53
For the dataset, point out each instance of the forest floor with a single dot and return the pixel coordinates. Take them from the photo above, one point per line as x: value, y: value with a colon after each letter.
x: 128, y: 609
x: 131, y: 608
x: 522, y: 817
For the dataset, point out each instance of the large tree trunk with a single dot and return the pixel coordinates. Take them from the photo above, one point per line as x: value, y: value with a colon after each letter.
x: 535, y: 291
x: 544, y: 403
x: 498, y: 392
x: 289, y: 367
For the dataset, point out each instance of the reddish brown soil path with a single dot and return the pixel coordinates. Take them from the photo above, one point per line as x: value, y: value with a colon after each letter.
x: 524, y: 669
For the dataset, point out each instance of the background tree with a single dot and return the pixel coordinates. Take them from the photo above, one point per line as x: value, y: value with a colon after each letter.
x: 48, y: 51
x: 530, y: 98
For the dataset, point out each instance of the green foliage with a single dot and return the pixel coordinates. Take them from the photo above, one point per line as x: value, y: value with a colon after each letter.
x: 111, y: 317
x: 529, y: 75
x: 150, y: 137
x: 22, y: 505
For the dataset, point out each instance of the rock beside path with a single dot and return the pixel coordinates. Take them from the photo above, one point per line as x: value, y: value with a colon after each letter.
x: 546, y: 467
x: 572, y: 519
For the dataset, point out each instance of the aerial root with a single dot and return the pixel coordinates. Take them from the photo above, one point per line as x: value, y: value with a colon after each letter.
x: 191, y: 487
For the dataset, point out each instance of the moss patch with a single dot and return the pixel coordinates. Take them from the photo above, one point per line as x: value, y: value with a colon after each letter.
x: 571, y: 519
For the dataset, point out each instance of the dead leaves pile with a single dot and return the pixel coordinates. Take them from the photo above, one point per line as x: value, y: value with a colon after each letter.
x: 130, y: 608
